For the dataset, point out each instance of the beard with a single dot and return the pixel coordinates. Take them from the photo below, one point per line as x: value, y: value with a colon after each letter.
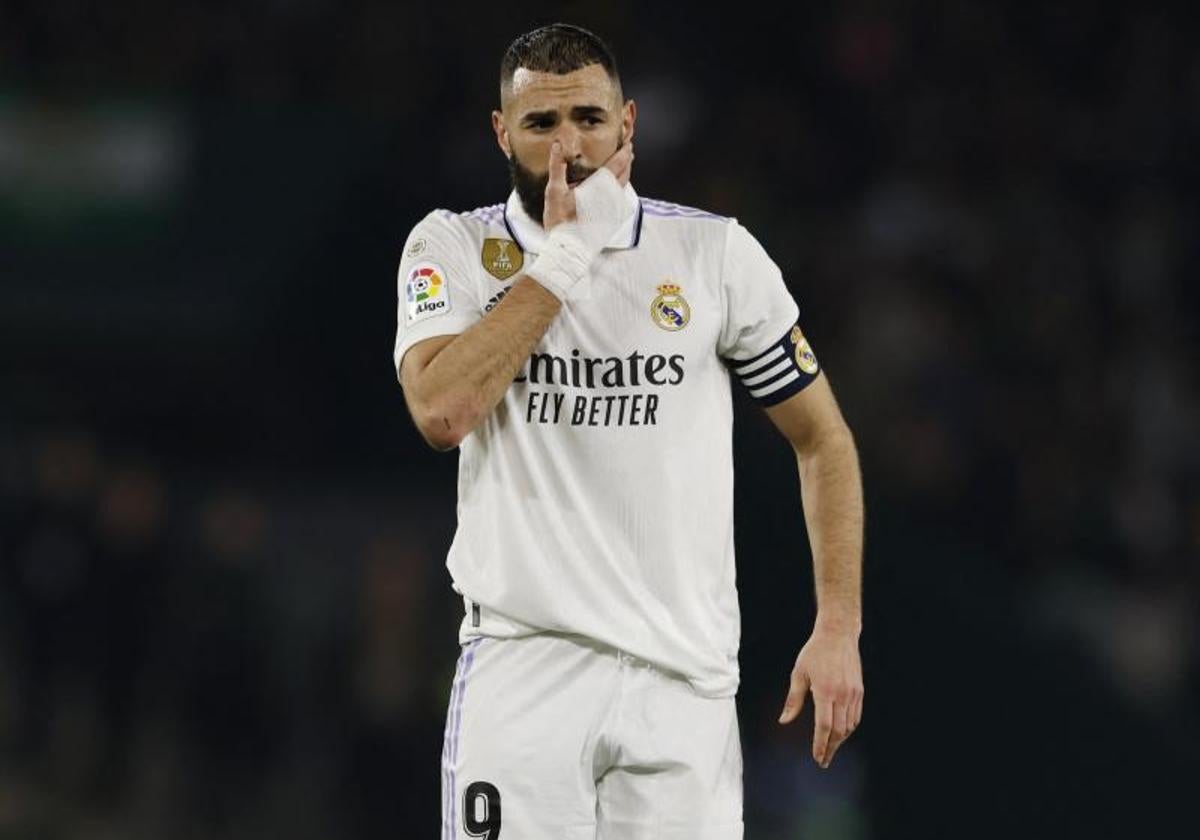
x: 531, y: 188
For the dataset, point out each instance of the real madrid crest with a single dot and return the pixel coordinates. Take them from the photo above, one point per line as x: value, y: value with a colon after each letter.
x: 669, y: 310
x: 501, y: 257
x: 806, y: 360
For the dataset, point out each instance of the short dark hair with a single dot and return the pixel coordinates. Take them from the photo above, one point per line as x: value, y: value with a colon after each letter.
x: 557, y: 48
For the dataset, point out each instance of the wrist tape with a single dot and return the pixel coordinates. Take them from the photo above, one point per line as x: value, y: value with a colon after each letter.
x: 564, y: 261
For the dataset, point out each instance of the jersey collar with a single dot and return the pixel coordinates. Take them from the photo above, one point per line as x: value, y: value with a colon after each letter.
x: 531, y: 237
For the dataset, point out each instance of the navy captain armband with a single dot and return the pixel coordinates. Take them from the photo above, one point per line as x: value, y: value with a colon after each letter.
x: 785, y: 368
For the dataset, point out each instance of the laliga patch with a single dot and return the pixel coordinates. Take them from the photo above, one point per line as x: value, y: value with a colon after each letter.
x: 806, y: 360
x: 501, y: 257
x: 426, y: 292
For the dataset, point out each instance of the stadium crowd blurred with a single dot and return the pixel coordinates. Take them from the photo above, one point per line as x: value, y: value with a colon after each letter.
x: 224, y: 611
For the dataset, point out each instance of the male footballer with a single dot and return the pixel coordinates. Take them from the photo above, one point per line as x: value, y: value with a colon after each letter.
x: 576, y: 344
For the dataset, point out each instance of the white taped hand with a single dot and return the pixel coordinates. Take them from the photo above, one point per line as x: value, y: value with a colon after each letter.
x: 600, y: 210
x: 563, y: 262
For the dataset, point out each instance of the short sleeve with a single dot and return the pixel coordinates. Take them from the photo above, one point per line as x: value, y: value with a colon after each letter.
x: 761, y: 340
x: 436, y: 288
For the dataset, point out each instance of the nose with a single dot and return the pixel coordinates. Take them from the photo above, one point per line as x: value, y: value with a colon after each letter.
x: 571, y: 139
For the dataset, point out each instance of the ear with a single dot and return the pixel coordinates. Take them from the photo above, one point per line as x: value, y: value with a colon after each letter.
x: 501, y: 133
x: 628, y: 118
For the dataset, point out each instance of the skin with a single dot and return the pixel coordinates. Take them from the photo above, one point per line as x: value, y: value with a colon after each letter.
x: 828, y: 665
x: 566, y: 126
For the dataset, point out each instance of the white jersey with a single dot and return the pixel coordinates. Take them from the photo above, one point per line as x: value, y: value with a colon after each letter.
x: 597, y: 498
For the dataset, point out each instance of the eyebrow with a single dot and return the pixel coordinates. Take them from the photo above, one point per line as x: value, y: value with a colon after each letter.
x: 578, y: 112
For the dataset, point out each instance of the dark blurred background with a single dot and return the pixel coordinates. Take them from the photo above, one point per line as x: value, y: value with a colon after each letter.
x: 224, y: 611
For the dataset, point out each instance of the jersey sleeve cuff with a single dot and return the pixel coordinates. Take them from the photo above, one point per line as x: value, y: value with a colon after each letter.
x: 785, y: 368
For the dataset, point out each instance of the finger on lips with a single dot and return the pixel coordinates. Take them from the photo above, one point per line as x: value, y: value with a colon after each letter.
x: 558, y: 167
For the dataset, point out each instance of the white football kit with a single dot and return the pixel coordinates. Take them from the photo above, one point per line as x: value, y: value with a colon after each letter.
x: 594, y: 549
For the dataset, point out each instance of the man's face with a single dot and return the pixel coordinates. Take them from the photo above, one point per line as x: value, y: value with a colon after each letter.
x: 581, y: 109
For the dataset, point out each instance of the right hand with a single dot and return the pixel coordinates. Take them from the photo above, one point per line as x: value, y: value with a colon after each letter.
x: 560, y: 196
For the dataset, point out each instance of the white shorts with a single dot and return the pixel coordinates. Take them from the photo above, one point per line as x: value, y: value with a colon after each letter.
x: 551, y: 737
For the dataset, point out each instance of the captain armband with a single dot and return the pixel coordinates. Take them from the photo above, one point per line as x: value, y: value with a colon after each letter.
x: 785, y: 368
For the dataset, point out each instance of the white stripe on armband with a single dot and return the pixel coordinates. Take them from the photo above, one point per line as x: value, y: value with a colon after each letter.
x: 776, y: 352
x: 770, y: 373
x: 775, y: 385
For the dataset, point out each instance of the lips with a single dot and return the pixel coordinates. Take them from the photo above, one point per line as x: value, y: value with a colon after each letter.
x: 575, y: 178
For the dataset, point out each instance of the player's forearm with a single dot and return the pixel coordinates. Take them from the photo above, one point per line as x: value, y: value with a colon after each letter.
x: 468, y: 377
x: 831, y: 488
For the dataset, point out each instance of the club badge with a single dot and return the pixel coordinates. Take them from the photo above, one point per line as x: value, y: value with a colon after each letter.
x: 669, y: 310
x: 806, y: 360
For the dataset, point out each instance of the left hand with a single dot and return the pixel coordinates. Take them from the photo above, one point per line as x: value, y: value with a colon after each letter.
x: 829, y: 666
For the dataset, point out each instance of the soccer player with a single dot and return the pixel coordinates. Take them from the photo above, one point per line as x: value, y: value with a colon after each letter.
x: 576, y: 343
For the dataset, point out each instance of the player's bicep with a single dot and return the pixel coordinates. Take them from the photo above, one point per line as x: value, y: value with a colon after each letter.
x: 809, y: 415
